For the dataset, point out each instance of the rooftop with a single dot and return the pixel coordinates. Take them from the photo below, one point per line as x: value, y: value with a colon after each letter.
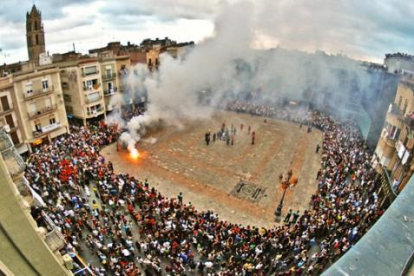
x: 388, y: 244
x: 400, y: 55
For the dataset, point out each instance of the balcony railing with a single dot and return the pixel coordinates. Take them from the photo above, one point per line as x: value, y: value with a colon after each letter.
x: 91, y: 100
x: 110, y: 92
x: 14, y: 162
x: 395, y: 109
x: 387, y: 185
x: 86, y: 74
x: 5, y: 141
x: 107, y: 77
x: 54, y: 238
x: 11, y: 157
x: 390, y: 141
x: 92, y: 88
x: 39, y: 93
x: 46, y: 129
x: 38, y: 113
x: 95, y: 112
x: 409, y: 121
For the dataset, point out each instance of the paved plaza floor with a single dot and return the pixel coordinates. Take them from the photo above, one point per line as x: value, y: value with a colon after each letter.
x: 239, y: 182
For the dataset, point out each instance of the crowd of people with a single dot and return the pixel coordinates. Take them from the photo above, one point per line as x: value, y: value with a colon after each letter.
x: 132, y: 229
x: 228, y: 135
x: 291, y: 112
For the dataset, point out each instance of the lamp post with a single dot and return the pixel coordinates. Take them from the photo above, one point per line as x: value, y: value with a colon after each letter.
x: 278, y: 211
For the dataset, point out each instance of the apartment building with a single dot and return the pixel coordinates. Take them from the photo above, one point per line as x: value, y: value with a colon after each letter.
x: 394, y: 150
x: 32, y: 107
x: 8, y: 117
x: 82, y: 89
x: 399, y: 63
x: 26, y: 249
x: 112, y: 73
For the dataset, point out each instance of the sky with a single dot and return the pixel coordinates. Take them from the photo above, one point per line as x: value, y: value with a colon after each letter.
x: 359, y: 29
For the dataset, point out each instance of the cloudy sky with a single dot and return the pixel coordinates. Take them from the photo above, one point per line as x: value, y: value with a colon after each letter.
x: 360, y: 29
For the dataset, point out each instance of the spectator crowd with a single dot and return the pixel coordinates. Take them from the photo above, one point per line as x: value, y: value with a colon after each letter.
x: 132, y: 229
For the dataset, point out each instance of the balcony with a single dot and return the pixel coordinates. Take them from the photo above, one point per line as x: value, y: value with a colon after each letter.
x: 5, y: 142
x: 46, y: 129
x: 54, y: 238
x: 44, y: 111
x: 92, y: 88
x: 395, y: 109
x: 91, y: 100
x: 95, y: 112
x: 110, y: 92
x: 87, y: 74
x: 390, y: 141
x: 38, y: 93
x: 387, y: 185
x: 409, y: 121
x: 11, y: 157
x: 107, y: 77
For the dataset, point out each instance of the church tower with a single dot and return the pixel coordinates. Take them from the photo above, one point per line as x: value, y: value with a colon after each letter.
x: 35, y: 34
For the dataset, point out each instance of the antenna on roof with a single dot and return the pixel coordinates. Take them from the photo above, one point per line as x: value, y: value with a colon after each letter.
x: 74, y: 49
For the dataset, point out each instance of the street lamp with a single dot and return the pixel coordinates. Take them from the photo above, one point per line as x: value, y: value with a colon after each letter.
x: 278, y: 211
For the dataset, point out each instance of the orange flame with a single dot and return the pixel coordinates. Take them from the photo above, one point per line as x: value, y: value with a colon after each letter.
x: 134, y: 153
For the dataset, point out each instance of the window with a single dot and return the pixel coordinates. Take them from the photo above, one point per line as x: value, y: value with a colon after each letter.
x: 69, y: 109
x: 396, y: 133
x: 38, y: 127
x: 65, y: 85
x: 91, y: 84
x: 67, y: 98
x: 37, y: 40
x: 35, y: 25
x: 94, y: 109
x: 5, y: 103
x: 52, y: 121
x: 405, y: 106
x: 90, y: 70
x: 108, y: 72
x: 45, y: 85
x: 32, y: 108
x: 93, y: 97
x: 9, y: 120
x: 14, y: 137
x: 48, y: 102
x: 29, y: 88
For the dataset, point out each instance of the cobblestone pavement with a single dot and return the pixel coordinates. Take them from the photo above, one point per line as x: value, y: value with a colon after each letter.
x: 240, y: 182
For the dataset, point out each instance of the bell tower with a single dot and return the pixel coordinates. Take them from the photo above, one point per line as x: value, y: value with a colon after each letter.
x: 34, y: 34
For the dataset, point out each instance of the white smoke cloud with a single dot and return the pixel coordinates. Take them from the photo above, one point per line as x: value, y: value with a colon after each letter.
x: 226, y: 66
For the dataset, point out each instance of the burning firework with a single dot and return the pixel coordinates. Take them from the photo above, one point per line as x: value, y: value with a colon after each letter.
x: 134, y: 153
